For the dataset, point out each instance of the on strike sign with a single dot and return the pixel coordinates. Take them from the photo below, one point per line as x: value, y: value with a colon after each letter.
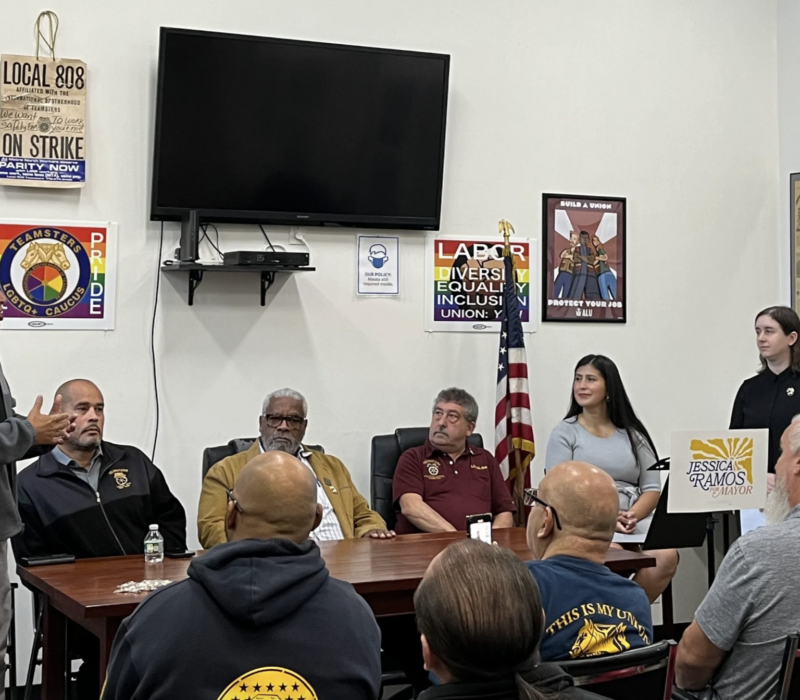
x: 42, y: 122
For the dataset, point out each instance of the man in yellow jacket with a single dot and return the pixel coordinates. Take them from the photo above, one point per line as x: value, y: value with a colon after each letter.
x: 282, y: 424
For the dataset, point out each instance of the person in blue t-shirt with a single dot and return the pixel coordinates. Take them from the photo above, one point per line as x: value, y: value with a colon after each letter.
x: 589, y: 611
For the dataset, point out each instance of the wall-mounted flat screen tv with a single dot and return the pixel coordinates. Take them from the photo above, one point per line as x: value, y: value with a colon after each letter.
x: 254, y: 129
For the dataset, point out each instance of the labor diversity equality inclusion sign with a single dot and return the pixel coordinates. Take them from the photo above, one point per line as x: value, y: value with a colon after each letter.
x: 42, y: 122
x: 58, y: 275
x: 464, y: 283
x: 718, y: 471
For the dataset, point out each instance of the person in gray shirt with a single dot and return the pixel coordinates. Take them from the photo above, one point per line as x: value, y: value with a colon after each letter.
x: 20, y: 437
x: 601, y: 428
x: 733, y: 648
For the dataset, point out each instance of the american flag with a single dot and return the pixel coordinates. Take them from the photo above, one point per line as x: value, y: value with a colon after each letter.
x: 513, y: 433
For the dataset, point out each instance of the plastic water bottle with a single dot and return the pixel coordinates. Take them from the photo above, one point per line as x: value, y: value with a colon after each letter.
x: 153, y: 546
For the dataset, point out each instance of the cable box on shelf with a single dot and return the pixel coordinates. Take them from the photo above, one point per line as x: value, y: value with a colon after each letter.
x: 265, y: 257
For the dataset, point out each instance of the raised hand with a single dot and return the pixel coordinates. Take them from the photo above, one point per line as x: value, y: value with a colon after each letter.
x: 52, y: 428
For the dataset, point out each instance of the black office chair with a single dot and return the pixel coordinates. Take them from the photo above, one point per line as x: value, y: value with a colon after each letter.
x: 212, y: 455
x: 648, y: 672
x: 386, y: 451
x: 789, y: 678
x: 11, y: 649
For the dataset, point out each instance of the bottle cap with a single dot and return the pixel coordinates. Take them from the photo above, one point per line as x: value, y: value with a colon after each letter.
x: 154, y: 527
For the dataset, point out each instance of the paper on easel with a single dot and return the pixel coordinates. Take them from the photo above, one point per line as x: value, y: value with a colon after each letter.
x: 718, y: 470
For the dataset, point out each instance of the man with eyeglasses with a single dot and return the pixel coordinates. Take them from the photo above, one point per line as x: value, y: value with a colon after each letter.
x: 436, y: 486
x: 589, y: 610
x: 282, y: 426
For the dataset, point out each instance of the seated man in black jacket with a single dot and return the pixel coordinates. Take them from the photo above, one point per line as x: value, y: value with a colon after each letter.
x: 260, y: 616
x: 481, y: 620
x: 92, y: 498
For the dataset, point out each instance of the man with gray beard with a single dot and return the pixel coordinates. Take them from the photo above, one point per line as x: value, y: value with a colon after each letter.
x: 733, y: 647
x: 282, y: 426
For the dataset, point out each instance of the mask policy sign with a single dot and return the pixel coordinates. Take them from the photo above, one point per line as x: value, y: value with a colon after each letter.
x: 42, y: 122
x: 464, y: 283
x: 378, y: 266
x: 58, y: 275
x: 718, y: 471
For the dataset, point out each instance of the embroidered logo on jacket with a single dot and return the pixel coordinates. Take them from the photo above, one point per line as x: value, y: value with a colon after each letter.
x: 270, y: 683
x: 121, y: 477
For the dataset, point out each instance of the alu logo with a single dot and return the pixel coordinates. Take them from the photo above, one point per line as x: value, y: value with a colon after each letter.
x: 479, y: 326
x: 38, y: 324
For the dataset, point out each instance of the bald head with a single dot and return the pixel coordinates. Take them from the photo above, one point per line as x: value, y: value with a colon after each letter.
x: 585, y: 497
x: 277, y: 495
x: 76, y: 388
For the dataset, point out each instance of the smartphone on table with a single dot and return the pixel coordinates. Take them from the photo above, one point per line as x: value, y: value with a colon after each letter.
x: 479, y: 527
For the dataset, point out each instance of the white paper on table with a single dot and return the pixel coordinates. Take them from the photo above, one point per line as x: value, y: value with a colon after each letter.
x: 639, y: 534
x: 751, y: 519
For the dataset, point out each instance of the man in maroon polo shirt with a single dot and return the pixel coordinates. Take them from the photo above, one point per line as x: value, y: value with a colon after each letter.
x: 436, y: 486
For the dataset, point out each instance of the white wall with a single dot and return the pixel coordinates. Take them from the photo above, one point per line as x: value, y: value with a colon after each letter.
x: 788, y: 127
x: 672, y: 104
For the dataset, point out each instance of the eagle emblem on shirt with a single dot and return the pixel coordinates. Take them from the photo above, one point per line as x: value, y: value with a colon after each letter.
x: 121, y: 478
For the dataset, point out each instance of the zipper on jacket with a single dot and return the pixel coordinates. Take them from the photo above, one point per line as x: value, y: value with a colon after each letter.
x: 108, y: 522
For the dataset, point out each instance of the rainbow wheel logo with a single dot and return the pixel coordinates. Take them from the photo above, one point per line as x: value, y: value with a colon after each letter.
x: 45, y: 272
x: 44, y: 283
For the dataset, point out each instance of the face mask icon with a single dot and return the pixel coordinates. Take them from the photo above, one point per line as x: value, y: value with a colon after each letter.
x: 378, y: 256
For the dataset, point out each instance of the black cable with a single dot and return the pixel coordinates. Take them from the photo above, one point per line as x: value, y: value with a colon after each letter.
x: 208, y: 238
x: 153, y: 338
x: 267, y: 237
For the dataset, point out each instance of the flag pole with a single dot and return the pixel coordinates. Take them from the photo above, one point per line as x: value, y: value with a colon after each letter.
x: 506, y: 228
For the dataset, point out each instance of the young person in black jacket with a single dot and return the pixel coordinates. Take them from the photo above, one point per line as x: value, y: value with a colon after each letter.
x: 481, y: 620
x: 92, y: 498
x: 260, y: 616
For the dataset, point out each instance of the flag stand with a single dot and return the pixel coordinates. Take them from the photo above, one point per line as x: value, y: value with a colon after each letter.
x: 514, y: 446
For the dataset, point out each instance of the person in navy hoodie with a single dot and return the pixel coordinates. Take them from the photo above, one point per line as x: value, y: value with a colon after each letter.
x: 259, y: 616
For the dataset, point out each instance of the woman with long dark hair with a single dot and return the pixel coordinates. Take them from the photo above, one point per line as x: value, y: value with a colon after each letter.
x: 772, y: 398
x: 481, y: 620
x: 601, y: 428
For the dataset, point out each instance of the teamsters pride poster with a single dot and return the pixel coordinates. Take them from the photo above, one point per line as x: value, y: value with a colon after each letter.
x: 464, y: 280
x: 42, y: 122
x: 58, y: 276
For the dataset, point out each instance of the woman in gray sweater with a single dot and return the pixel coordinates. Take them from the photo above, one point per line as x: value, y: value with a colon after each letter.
x: 601, y: 428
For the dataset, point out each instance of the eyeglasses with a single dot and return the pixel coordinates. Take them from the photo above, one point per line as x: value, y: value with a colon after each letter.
x: 231, y: 499
x: 275, y: 421
x: 531, y: 499
x: 450, y: 416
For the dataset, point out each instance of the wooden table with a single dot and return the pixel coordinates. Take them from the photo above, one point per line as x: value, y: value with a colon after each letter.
x: 385, y: 572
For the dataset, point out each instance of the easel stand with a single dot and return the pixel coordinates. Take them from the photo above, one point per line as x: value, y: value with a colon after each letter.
x: 680, y: 530
x: 711, y: 558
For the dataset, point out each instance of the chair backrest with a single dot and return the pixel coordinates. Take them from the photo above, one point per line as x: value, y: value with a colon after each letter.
x: 789, y: 677
x: 630, y: 675
x: 386, y: 451
x: 212, y: 455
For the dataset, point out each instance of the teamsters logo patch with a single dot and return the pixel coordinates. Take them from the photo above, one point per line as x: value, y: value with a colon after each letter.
x: 270, y: 683
x: 722, y: 466
x: 45, y: 272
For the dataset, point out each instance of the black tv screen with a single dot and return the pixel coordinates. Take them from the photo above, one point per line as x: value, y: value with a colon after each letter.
x: 266, y: 130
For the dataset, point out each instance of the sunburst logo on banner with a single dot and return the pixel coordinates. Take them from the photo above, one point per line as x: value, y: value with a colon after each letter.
x: 738, y: 451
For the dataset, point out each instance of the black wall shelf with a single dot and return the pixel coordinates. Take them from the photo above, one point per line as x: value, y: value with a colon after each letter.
x: 197, y: 271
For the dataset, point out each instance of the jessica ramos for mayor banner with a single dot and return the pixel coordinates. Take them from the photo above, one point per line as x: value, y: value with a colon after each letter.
x: 583, y: 259
x: 58, y: 275
x: 464, y: 280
